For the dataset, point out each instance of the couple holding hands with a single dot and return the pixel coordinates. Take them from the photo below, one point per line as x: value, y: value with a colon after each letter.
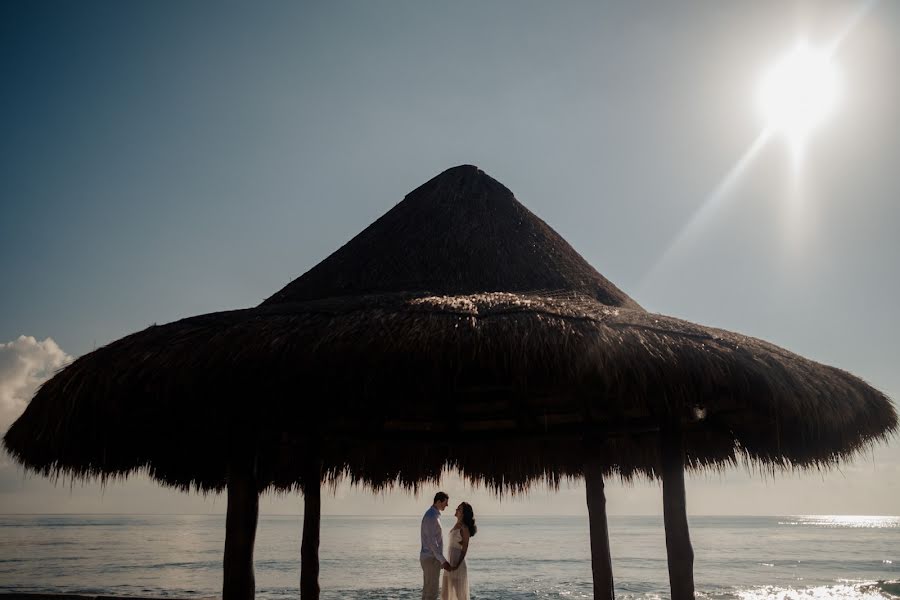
x: 455, y: 584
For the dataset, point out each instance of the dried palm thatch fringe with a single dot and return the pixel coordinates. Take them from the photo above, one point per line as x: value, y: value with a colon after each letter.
x: 389, y: 389
x: 458, y: 330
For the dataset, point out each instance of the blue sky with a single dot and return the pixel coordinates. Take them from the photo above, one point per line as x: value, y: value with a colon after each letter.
x: 161, y: 160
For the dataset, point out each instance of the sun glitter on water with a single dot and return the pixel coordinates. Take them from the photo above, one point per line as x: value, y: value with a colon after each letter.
x: 851, y: 521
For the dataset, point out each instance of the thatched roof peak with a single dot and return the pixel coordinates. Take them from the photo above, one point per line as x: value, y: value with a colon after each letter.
x: 462, y: 232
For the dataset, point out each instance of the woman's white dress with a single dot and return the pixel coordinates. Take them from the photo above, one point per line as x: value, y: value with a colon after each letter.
x: 455, y: 584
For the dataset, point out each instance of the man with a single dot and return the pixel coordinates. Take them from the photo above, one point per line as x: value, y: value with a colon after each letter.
x: 432, y: 554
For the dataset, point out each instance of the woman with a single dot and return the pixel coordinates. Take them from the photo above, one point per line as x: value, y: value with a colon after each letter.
x: 456, y: 578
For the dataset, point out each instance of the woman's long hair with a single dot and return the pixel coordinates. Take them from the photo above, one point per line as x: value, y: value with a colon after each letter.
x: 469, y: 517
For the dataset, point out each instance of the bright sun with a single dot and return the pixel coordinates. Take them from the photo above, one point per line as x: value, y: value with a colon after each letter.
x: 798, y: 92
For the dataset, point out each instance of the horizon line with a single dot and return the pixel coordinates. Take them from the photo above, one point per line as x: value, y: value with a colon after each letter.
x: 222, y: 514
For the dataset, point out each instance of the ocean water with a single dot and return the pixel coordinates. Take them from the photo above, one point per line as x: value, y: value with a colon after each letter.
x: 515, y: 558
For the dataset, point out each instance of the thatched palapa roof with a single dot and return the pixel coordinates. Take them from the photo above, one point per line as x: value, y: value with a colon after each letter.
x: 458, y: 329
x: 460, y: 233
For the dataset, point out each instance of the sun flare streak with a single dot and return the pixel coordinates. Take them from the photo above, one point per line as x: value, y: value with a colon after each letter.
x: 710, y: 204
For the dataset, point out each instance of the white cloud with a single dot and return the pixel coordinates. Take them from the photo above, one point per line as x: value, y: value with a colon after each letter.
x: 25, y: 363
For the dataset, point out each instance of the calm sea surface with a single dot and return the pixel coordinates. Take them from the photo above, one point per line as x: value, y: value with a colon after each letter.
x: 512, y: 558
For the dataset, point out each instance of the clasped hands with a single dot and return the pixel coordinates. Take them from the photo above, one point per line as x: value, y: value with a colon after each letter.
x: 448, y: 566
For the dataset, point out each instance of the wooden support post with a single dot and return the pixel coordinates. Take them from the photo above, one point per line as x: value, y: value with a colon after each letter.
x: 309, y: 546
x: 678, y: 539
x: 240, y: 532
x: 601, y: 563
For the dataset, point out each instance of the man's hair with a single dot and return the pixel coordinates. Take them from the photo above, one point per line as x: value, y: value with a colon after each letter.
x: 440, y: 497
